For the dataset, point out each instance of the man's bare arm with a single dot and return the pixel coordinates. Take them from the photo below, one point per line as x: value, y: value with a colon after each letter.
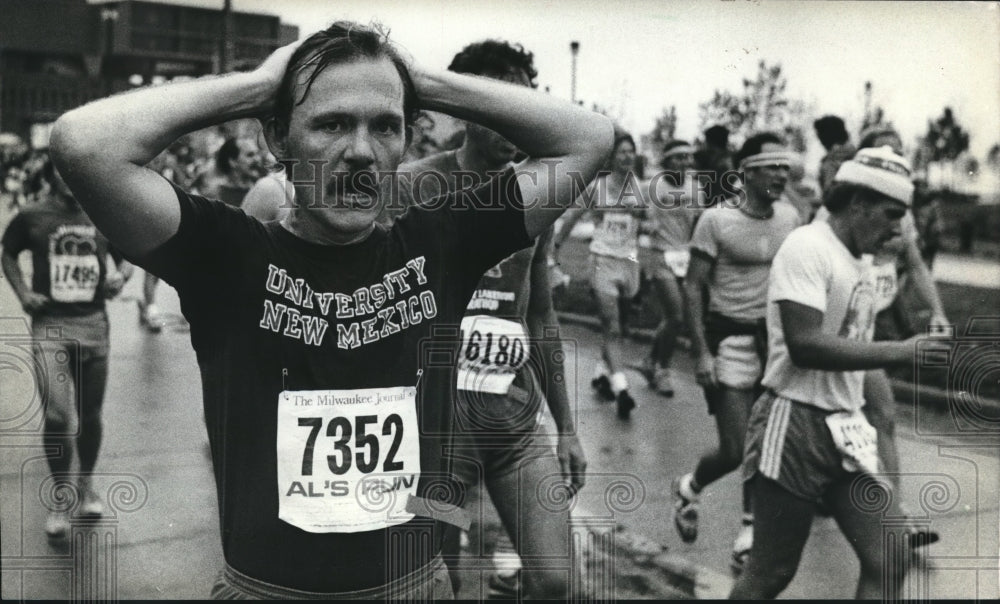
x: 811, y: 348
x: 560, y: 139
x: 100, y: 149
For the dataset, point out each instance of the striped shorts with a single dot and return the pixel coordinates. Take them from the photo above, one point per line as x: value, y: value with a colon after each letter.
x: 790, y: 443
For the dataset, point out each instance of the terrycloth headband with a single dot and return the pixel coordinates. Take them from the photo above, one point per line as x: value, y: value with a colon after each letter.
x: 880, y: 170
x: 769, y: 158
x: 679, y: 150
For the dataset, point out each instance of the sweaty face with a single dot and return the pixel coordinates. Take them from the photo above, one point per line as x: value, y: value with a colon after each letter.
x: 351, y: 127
x: 494, y: 148
x: 768, y: 182
x: 877, y: 223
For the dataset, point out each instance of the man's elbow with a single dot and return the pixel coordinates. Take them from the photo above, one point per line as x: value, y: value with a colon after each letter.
x: 67, y: 141
x: 601, y: 138
x: 802, y: 352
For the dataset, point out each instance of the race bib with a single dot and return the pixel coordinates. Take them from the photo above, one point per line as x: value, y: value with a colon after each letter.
x: 492, y: 352
x: 856, y: 440
x: 616, y: 227
x: 348, y: 460
x: 73, y: 278
x: 677, y: 261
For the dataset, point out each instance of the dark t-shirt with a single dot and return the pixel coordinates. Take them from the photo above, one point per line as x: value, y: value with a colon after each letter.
x: 68, y: 256
x: 328, y: 379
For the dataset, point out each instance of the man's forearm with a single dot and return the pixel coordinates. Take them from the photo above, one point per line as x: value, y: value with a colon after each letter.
x: 696, y: 319
x: 555, y: 389
x: 828, y: 352
x: 12, y: 271
x: 538, y: 124
x: 923, y: 280
x: 137, y: 126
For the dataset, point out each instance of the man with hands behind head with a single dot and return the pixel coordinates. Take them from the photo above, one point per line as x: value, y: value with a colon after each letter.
x: 327, y: 421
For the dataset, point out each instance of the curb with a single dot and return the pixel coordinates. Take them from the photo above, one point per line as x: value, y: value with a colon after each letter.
x: 677, y: 571
x: 905, y: 392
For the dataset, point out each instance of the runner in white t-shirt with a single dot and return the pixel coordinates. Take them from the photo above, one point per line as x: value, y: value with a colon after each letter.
x: 731, y: 252
x: 808, y: 441
x: 619, y: 201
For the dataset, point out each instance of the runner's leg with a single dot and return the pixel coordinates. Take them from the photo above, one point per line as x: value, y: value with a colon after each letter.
x: 732, y: 412
x: 540, y: 535
x: 781, y: 530
x: 864, y: 531
x: 92, y: 386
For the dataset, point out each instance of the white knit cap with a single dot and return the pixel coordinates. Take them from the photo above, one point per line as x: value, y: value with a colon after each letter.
x: 881, y: 170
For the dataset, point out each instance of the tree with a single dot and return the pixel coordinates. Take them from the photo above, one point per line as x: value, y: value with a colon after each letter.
x: 662, y: 132
x: 944, y: 142
x: 762, y: 105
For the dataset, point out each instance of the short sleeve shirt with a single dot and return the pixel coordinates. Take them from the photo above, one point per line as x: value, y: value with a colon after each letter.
x: 68, y: 256
x: 327, y: 375
x: 741, y: 248
x: 815, y: 269
x: 675, y: 211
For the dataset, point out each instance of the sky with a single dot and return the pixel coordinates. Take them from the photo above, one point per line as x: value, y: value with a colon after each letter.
x: 640, y: 56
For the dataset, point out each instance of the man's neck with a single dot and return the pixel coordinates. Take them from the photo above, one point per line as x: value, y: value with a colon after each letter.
x: 757, y: 205
x: 845, y: 232
x: 472, y: 159
x: 312, y: 232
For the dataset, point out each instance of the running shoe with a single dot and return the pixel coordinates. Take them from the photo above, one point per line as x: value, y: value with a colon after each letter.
x: 91, y: 504
x: 663, y: 384
x: 603, y: 387
x: 625, y: 404
x: 685, y: 513
x: 504, y: 587
x: 57, y: 525
x: 741, y: 547
x: 150, y: 317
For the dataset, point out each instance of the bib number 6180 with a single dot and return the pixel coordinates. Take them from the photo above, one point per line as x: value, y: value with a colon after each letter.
x: 367, y: 444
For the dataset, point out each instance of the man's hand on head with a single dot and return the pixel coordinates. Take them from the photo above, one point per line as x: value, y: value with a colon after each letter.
x: 272, y: 71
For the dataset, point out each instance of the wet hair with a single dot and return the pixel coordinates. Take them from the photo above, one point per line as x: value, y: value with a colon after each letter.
x: 495, y: 57
x: 755, y: 143
x: 341, y: 43
x: 226, y: 155
x: 717, y: 136
x: 830, y: 130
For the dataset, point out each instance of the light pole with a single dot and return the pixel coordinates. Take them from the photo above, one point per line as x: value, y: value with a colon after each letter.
x: 574, y: 49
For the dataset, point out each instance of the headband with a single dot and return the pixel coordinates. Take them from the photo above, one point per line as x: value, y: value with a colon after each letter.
x: 678, y: 150
x: 769, y: 158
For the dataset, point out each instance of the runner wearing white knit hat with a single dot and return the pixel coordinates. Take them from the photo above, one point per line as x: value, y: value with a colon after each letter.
x: 808, y: 441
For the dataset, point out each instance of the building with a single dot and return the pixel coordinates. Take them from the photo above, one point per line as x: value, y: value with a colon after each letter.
x: 58, y: 54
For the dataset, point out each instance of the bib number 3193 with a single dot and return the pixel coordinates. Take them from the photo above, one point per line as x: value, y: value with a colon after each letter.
x: 348, y: 460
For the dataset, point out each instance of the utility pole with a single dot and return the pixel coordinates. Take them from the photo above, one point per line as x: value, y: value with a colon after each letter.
x: 574, y: 49
x: 226, y: 48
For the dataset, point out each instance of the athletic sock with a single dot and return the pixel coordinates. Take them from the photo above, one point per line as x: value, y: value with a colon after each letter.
x: 600, y: 369
x: 618, y: 382
x: 689, y: 487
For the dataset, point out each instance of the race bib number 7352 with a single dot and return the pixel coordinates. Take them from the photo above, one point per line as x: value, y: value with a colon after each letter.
x: 348, y: 460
